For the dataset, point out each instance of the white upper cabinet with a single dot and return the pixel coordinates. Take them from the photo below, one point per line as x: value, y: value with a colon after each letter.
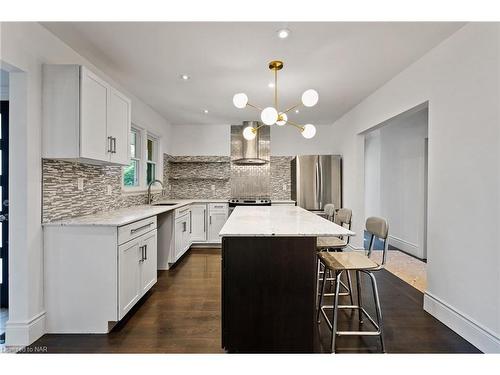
x: 93, y: 116
x: 119, y: 127
x: 84, y: 117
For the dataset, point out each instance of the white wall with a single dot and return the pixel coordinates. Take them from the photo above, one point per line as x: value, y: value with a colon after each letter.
x: 215, y: 140
x: 27, y: 46
x: 201, y: 140
x: 395, y: 179
x: 372, y: 173
x: 460, y: 80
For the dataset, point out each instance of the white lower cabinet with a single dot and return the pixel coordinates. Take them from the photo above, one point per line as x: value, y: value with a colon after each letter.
x: 182, y: 235
x: 95, y: 274
x: 198, y: 223
x: 217, y: 216
x: 137, y: 270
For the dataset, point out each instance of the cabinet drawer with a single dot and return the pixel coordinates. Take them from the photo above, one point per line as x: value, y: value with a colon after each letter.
x: 136, y: 229
x: 182, y: 211
x: 221, y: 207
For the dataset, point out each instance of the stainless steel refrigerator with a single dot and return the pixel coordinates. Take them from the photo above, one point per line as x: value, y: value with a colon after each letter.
x: 316, y: 181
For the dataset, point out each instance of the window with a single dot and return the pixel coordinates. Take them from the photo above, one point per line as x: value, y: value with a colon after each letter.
x: 144, y: 151
x: 131, y: 172
x: 152, y: 146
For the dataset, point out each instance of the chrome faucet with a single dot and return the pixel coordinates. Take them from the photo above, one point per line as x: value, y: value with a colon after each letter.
x: 149, y: 189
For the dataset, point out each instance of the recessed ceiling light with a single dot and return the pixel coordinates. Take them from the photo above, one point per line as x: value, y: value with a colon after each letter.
x: 185, y: 77
x: 283, y: 33
x: 297, y: 111
x: 270, y: 85
x: 205, y: 111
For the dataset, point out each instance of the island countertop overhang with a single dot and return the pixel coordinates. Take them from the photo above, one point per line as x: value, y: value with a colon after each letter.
x: 279, y: 221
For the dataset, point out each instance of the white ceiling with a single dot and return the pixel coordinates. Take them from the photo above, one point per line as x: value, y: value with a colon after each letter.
x: 344, y: 62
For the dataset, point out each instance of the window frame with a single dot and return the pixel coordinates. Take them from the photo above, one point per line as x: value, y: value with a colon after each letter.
x: 142, y: 136
x: 137, y: 158
x: 154, y: 159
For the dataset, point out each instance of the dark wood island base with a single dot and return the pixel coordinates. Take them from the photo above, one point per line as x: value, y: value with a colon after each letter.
x: 268, y: 294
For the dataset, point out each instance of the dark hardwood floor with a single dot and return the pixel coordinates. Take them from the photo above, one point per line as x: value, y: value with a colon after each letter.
x: 182, y: 314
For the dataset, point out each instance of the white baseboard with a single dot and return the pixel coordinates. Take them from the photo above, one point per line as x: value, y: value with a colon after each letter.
x: 406, y: 246
x: 355, y: 248
x: 24, y: 333
x: 479, y: 336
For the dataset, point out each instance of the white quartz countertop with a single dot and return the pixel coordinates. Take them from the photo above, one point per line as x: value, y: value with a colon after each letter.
x: 128, y: 215
x: 279, y: 221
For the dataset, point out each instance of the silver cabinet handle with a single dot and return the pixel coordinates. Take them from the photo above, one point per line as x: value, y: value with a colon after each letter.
x: 204, y: 220
x: 133, y: 230
x: 190, y: 222
x: 113, y: 140
x: 184, y: 226
x: 210, y: 220
x: 110, y: 144
x: 142, y: 254
x: 145, y: 252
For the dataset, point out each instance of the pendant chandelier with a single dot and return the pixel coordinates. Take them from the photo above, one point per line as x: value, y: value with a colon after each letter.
x: 273, y: 115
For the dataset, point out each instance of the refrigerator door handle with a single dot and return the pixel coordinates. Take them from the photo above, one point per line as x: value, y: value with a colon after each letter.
x: 321, y: 182
x: 318, y: 182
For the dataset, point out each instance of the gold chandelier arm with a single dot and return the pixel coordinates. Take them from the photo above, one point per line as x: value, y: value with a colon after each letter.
x: 254, y: 106
x: 298, y: 126
x: 291, y: 108
x: 276, y: 89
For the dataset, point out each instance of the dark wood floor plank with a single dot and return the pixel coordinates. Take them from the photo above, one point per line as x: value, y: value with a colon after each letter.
x: 181, y: 314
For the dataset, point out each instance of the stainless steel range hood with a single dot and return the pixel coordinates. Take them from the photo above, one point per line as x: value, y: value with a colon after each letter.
x: 250, y: 152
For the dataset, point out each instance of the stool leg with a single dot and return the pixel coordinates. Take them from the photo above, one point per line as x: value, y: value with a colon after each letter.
x: 358, y: 287
x: 323, y: 283
x: 378, y: 310
x: 349, y: 283
x: 335, y: 309
x: 317, y: 281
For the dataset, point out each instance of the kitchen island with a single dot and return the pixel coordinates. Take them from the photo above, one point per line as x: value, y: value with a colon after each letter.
x: 268, y: 278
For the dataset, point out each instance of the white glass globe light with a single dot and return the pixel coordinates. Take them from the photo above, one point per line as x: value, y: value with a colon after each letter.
x: 284, y: 119
x: 310, y: 98
x: 249, y: 133
x: 308, y: 131
x: 240, y: 100
x: 269, y: 115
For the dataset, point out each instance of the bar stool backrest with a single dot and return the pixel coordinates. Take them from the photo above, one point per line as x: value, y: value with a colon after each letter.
x: 378, y: 227
x: 330, y: 211
x: 343, y: 217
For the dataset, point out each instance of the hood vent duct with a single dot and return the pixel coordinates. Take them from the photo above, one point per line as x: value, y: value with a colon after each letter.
x: 250, y: 152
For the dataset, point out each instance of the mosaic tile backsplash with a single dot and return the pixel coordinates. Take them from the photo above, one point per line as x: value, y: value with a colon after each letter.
x: 61, y: 198
x: 184, y: 177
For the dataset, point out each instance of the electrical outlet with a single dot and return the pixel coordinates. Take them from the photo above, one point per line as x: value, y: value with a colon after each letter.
x: 284, y: 187
x: 80, y: 183
x: 109, y: 190
x: 212, y: 187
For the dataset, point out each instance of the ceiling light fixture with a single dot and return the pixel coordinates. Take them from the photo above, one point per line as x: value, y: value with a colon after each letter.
x: 205, y: 111
x: 272, y: 115
x: 283, y: 33
x: 185, y: 77
x: 270, y: 85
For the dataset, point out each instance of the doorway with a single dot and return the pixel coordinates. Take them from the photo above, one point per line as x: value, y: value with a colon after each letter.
x: 396, y: 189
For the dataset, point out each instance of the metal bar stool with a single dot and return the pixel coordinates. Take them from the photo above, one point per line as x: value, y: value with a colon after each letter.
x: 342, y: 217
x: 338, y: 263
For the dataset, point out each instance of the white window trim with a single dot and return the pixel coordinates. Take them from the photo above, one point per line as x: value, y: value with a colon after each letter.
x: 144, y: 134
